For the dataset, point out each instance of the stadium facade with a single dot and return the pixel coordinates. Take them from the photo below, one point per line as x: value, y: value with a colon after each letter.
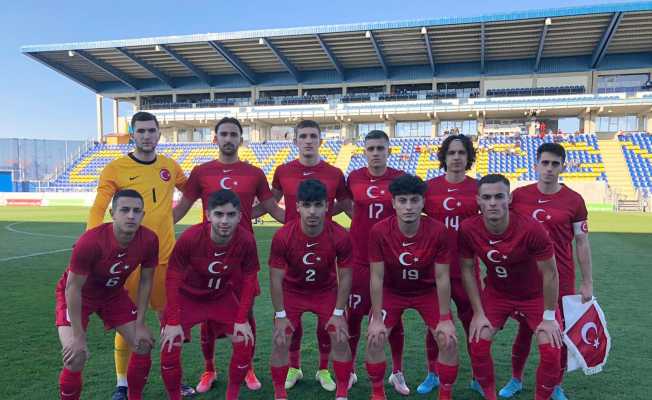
x: 502, y: 74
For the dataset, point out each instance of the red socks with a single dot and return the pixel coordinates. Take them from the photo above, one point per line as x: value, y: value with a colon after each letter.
x: 295, y: 359
x: 521, y: 350
x: 171, y: 372
x: 395, y: 340
x: 355, y: 327
x: 376, y: 374
x: 240, y: 363
x: 279, y: 374
x: 208, y: 346
x: 137, y: 372
x: 483, y: 367
x: 447, y: 377
x: 324, y: 343
x: 342, y: 373
x: 547, y: 372
x: 295, y: 347
x: 432, y: 352
x: 70, y: 384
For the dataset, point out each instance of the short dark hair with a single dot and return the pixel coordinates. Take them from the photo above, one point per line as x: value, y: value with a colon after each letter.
x: 376, y: 134
x: 126, y: 193
x: 306, y: 123
x: 222, y: 197
x: 142, y: 116
x: 311, y: 190
x: 468, y: 146
x: 407, y: 184
x: 493, y: 178
x: 228, y: 120
x: 554, y: 148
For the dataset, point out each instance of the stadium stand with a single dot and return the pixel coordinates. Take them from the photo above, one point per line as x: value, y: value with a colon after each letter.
x: 637, y: 149
x: 512, y: 156
x: 541, y: 91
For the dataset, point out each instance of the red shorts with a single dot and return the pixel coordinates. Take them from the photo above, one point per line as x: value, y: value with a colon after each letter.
x: 498, y: 308
x: 115, y: 311
x: 321, y: 304
x: 426, y: 305
x: 360, y: 298
x: 219, y: 314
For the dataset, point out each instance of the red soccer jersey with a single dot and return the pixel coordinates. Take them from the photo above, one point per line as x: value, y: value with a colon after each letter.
x: 98, y: 255
x: 511, y: 258
x: 372, y: 202
x: 202, y: 270
x: 310, y: 262
x: 409, y: 261
x: 561, y: 214
x: 450, y: 204
x: 247, y: 181
x: 288, y: 176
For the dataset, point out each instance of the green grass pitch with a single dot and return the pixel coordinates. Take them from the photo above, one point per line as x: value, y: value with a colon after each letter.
x: 30, y: 349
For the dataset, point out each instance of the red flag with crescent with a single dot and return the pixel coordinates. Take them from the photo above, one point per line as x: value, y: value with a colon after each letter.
x: 586, y: 335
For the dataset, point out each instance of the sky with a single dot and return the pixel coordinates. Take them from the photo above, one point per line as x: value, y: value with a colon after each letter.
x: 36, y: 102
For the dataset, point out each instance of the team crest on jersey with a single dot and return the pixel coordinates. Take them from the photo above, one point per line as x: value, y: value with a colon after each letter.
x: 165, y: 174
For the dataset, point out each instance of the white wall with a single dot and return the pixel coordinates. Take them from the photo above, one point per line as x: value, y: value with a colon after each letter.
x: 508, y: 83
x: 552, y: 81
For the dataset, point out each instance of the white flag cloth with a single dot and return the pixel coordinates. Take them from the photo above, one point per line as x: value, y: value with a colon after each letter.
x: 586, y: 335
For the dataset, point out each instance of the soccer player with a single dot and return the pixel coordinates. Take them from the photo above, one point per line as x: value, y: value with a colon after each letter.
x: 562, y: 212
x: 212, y: 279
x: 450, y: 199
x: 409, y: 260
x: 521, y: 278
x: 155, y: 177
x: 287, y: 177
x: 310, y: 271
x: 372, y: 202
x: 250, y: 184
x: 102, y: 260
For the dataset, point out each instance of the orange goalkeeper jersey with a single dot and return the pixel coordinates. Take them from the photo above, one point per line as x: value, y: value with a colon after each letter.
x: 155, y: 181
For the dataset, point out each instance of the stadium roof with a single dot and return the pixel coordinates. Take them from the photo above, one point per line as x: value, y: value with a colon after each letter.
x: 606, y: 36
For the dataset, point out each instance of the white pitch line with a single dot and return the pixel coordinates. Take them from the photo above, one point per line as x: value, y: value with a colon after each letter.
x: 10, y: 228
x: 43, y: 253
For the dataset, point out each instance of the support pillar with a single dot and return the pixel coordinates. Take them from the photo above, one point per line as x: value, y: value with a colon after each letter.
x: 391, y: 128
x: 99, y: 111
x: 116, y: 111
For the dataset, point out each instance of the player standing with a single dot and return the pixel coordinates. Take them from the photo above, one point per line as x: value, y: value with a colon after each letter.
x: 409, y: 260
x: 562, y: 212
x: 372, y: 202
x: 249, y: 183
x: 102, y: 260
x: 450, y: 199
x: 287, y: 177
x: 212, y: 279
x: 521, y: 278
x: 155, y: 177
x: 310, y: 271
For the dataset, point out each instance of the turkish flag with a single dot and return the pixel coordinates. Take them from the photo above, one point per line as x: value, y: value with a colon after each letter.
x: 586, y: 335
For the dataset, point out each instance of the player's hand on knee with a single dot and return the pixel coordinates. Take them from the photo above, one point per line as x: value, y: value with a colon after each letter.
x: 550, y: 332
x: 169, y: 336
x: 445, y: 334
x: 75, y: 353
x: 243, y: 331
x: 479, y: 322
x: 376, y: 332
x: 143, y: 339
x: 283, y: 329
x: 337, y: 325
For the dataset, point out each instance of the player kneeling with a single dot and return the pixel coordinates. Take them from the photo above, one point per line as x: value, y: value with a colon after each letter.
x: 310, y: 271
x: 211, y: 264
x: 409, y: 259
x: 101, y: 261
